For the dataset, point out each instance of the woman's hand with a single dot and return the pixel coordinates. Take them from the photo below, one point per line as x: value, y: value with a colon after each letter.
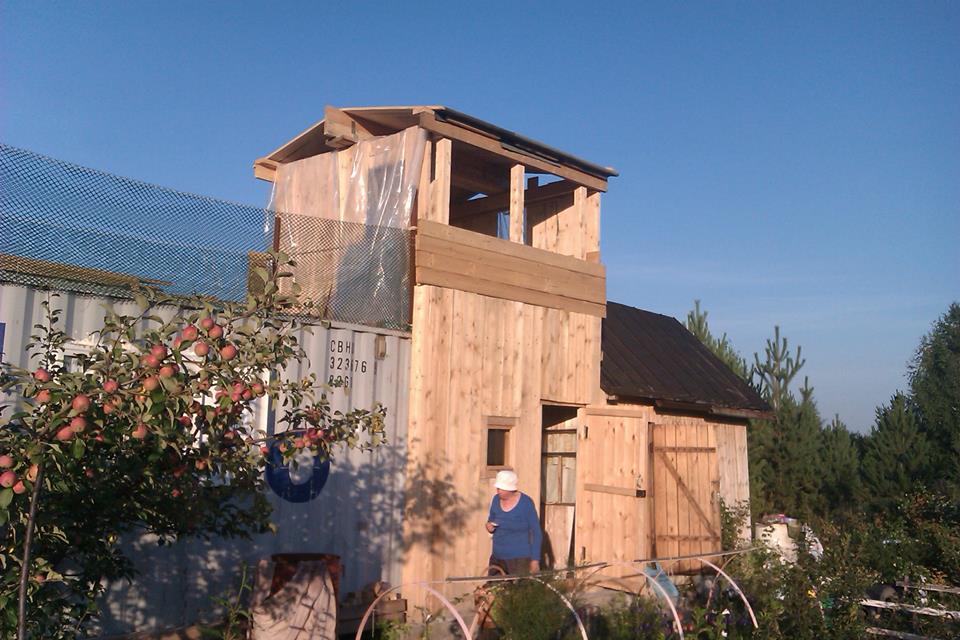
x: 491, y: 527
x: 534, y: 566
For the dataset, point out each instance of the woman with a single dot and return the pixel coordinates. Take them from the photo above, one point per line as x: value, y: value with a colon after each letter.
x: 515, y: 527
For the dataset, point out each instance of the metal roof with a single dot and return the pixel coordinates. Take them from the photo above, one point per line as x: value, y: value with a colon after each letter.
x: 652, y: 357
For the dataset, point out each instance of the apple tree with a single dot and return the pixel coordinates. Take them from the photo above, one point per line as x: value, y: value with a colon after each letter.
x: 148, y: 430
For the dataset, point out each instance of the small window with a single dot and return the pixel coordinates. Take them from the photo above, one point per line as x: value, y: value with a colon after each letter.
x: 497, y: 447
x: 497, y: 444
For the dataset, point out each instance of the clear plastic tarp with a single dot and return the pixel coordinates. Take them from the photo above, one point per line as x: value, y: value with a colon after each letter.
x: 344, y: 217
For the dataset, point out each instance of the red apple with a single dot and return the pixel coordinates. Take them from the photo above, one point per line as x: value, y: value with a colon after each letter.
x: 228, y: 352
x: 158, y: 351
x: 203, y: 386
x: 201, y: 349
x: 32, y: 472
x: 19, y: 487
x: 89, y: 473
x: 184, y: 421
x: 80, y: 403
x: 42, y: 375
x: 111, y: 386
x: 175, y: 493
x: 200, y: 464
x: 190, y: 332
x: 43, y: 396
x: 264, y: 449
x: 257, y: 388
x: 6, y: 461
x: 151, y: 383
x: 215, y: 332
x: 151, y: 361
x: 166, y: 371
x: 207, y: 323
x: 78, y: 424
x: 8, y: 479
x: 140, y: 432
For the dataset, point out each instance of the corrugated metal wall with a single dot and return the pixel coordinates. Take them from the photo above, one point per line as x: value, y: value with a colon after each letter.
x: 357, y: 515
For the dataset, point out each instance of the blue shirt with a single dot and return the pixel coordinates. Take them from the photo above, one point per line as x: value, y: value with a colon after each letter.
x: 518, y: 531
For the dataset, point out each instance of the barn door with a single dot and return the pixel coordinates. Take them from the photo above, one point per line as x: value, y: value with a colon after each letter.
x: 611, y: 511
x: 685, y: 486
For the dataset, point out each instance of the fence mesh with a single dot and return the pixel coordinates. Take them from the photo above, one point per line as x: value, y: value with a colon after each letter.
x: 70, y: 227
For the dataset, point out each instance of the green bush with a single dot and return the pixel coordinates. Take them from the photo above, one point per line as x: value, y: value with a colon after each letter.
x: 531, y: 610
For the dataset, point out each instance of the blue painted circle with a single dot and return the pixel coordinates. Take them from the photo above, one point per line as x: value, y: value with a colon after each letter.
x: 278, y: 477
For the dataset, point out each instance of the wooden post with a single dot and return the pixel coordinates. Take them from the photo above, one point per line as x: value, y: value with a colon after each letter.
x: 516, y: 203
x: 440, y: 187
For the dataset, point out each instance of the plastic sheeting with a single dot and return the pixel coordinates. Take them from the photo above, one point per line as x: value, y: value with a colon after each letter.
x: 344, y: 217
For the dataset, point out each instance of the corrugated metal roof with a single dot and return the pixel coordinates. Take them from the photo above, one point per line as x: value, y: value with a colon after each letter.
x: 649, y: 356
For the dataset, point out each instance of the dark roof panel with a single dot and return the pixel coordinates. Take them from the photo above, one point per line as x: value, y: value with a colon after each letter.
x: 651, y: 356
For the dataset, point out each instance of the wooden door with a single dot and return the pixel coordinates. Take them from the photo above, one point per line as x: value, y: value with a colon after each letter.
x: 611, y: 509
x: 685, y: 489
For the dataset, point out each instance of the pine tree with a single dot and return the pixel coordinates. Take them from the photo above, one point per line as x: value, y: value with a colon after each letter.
x: 935, y: 390
x: 840, y: 467
x: 779, y: 368
x: 896, y: 456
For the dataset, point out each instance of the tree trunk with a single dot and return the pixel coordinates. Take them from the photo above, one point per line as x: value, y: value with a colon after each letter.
x: 25, y: 568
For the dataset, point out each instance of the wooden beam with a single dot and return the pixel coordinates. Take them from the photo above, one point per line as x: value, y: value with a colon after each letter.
x: 618, y: 491
x: 440, y: 186
x: 264, y: 169
x: 339, y: 125
x: 516, y: 203
x: 429, y: 122
x: 501, y: 201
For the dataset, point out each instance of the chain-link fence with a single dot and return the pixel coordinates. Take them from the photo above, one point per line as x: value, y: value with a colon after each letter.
x: 68, y: 227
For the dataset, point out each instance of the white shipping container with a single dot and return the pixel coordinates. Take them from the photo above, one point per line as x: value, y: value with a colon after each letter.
x: 357, y: 514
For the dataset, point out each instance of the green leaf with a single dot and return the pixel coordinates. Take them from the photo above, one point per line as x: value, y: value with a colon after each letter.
x: 6, y: 497
x: 78, y: 448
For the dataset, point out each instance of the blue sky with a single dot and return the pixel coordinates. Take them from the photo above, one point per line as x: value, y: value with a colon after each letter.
x: 792, y: 164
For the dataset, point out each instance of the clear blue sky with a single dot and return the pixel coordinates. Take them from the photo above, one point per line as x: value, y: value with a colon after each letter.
x: 792, y: 164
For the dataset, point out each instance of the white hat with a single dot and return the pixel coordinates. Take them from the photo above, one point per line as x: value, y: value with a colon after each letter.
x: 506, y: 480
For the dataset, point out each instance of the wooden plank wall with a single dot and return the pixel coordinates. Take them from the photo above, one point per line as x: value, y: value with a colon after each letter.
x: 456, y: 258
x: 475, y: 356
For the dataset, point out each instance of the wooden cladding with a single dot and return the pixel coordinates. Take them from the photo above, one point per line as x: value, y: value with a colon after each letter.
x: 460, y: 259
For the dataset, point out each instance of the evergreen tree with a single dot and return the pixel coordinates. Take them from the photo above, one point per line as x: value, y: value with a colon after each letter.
x: 840, y: 468
x: 721, y: 347
x: 935, y: 390
x: 896, y: 456
x: 794, y: 480
x: 779, y: 368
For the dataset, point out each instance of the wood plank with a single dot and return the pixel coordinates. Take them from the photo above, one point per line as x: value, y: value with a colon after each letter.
x: 506, y: 292
x: 422, y: 205
x: 443, y: 231
x: 500, y: 201
x: 429, y: 122
x: 620, y: 491
x: 516, y: 204
x: 687, y: 523
x: 688, y: 449
x: 587, y: 286
x: 340, y: 125
x: 440, y: 186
